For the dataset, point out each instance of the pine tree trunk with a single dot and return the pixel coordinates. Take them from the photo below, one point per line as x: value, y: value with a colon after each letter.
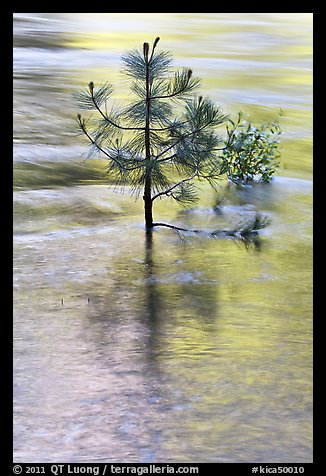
x: 148, y: 203
x: 148, y: 206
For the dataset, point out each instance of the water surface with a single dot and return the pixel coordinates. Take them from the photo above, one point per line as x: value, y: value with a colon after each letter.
x: 182, y: 349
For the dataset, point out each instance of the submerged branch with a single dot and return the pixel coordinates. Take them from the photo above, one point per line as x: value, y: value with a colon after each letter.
x: 246, y: 231
x: 221, y: 233
x: 177, y: 228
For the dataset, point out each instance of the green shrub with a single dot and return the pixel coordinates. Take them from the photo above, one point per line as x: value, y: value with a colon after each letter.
x: 251, y: 152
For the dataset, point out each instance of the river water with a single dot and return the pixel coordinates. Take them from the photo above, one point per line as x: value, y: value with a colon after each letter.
x: 185, y: 348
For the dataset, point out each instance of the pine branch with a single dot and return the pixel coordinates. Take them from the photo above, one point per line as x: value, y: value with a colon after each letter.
x: 169, y: 190
x: 101, y: 95
x: 181, y: 83
x: 93, y: 98
x: 182, y: 138
x: 82, y: 125
x: 175, y: 125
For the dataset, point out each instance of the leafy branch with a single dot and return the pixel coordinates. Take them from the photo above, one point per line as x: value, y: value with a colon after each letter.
x: 250, y: 151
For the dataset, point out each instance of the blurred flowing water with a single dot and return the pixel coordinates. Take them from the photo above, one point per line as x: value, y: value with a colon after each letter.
x: 175, y: 350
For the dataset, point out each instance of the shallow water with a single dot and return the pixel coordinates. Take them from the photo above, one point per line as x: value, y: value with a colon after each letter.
x: 186, y: 348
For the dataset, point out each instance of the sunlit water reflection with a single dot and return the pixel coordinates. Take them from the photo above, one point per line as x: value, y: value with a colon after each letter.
x: 174, y: 350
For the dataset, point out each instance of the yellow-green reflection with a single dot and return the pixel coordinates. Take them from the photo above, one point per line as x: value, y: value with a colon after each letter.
x: 193, y: 350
